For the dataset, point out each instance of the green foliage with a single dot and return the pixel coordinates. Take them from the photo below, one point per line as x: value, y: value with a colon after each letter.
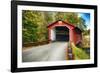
x: 79, y: 53
x: 86, y: 32
x: 72, y: 18
x: 81, y: 23
x: 33, y: 26
x: 34, y: 23
x: 85, y: 41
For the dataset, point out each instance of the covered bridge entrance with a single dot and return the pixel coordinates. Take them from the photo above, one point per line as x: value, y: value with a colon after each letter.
x: 63, y: 31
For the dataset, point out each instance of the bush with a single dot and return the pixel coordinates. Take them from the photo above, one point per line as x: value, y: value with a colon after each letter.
x: 79, y: 53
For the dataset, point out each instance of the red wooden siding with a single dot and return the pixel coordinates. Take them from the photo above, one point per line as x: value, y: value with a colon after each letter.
x: 73, y: 35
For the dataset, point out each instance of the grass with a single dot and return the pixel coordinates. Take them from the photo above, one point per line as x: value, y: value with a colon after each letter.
x: 79, y: 53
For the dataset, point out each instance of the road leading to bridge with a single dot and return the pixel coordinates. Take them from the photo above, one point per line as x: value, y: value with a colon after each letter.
x: 55, y: 51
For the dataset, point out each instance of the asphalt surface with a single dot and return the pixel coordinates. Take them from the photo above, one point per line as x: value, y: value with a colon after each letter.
x: 55, y: 51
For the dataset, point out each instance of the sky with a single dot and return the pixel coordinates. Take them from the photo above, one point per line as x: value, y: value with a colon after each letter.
x: 86, y: 17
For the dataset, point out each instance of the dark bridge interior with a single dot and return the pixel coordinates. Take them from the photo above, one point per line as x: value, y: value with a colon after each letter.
x: 62, y: 33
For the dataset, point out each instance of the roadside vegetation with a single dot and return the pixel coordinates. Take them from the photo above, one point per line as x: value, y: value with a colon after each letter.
x: 79, y: 53
x: 34, y: 24
x: 35, y: 32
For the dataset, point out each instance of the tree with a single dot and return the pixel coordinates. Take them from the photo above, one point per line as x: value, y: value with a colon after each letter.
x: 29, y: 26
x: 81, y: 23
x: 35, y: 23
x: 33, y: 26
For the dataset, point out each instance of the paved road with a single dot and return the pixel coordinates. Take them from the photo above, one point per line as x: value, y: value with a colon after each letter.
x: 50, y: 52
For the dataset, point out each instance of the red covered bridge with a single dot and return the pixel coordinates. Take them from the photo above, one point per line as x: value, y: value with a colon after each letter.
x: 63, y: 31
